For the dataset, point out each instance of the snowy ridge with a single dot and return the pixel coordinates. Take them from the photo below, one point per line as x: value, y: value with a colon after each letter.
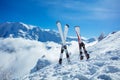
x: 22, y: 30
x: 104, y: 64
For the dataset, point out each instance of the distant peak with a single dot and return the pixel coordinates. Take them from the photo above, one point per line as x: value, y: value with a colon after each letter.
x: 46, y: 30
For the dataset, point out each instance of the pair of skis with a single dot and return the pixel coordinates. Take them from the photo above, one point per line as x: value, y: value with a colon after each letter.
x: 81, y: 44
x: 64, y: 47
x: 63, y: 38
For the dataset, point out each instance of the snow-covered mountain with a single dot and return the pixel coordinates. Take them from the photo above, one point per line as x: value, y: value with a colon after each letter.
x: 21, y: 30
x: 104, y: 63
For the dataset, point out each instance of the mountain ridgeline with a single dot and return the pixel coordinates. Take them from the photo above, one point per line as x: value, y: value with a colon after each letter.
x: 21, y: 30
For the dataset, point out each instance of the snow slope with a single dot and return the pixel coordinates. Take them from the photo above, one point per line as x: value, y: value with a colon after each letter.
x: 104, y: 64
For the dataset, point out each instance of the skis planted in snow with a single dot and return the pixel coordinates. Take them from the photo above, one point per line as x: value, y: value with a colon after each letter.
x: 81, y: 44
x: 77, y: 29
x: 60, y: 32
x: 63, y: 39
x: 66, y: 31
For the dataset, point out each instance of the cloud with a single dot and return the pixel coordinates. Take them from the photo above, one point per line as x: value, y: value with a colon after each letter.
x: 23, y: 58
x: 25, y: 54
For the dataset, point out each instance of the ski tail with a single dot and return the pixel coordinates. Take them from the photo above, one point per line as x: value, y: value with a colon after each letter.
x: 65, y: 47
x: 77, y: 30
x: 60, y: 32
x: 66, y: 31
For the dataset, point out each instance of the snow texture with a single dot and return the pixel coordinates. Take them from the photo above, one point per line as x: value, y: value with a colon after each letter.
x: 104, y: 64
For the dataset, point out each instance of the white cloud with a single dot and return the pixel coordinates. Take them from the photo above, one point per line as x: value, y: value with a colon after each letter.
x: 24, y: 56
x: 20, y: 56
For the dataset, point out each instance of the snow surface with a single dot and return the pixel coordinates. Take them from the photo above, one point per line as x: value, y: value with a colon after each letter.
x: 18, y: 57
x: 104, y: 64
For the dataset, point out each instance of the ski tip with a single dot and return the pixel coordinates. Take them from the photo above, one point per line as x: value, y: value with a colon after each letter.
x: 67, y: 25
x: 77, y: 26
x: 57, y: 22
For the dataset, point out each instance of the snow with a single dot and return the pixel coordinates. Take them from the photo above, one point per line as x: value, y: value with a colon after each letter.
x: 46, y: 30
x: 24, y: 25
x: 20, y: 56
x: 104, y: 64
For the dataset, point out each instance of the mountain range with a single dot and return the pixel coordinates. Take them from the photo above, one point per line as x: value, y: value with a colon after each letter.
x: 21, y: 30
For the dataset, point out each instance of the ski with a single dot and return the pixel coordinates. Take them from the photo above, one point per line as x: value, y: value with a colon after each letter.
x: 81, y: 44
x: 63, y: 39
x: 66, y: 31
x: 60, y: 32
x: 77, y: 29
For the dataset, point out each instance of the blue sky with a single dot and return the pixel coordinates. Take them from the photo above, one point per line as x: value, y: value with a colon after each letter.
x: 93, y: 16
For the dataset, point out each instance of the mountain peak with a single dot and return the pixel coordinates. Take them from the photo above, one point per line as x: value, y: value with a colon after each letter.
x: 19, y: 29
